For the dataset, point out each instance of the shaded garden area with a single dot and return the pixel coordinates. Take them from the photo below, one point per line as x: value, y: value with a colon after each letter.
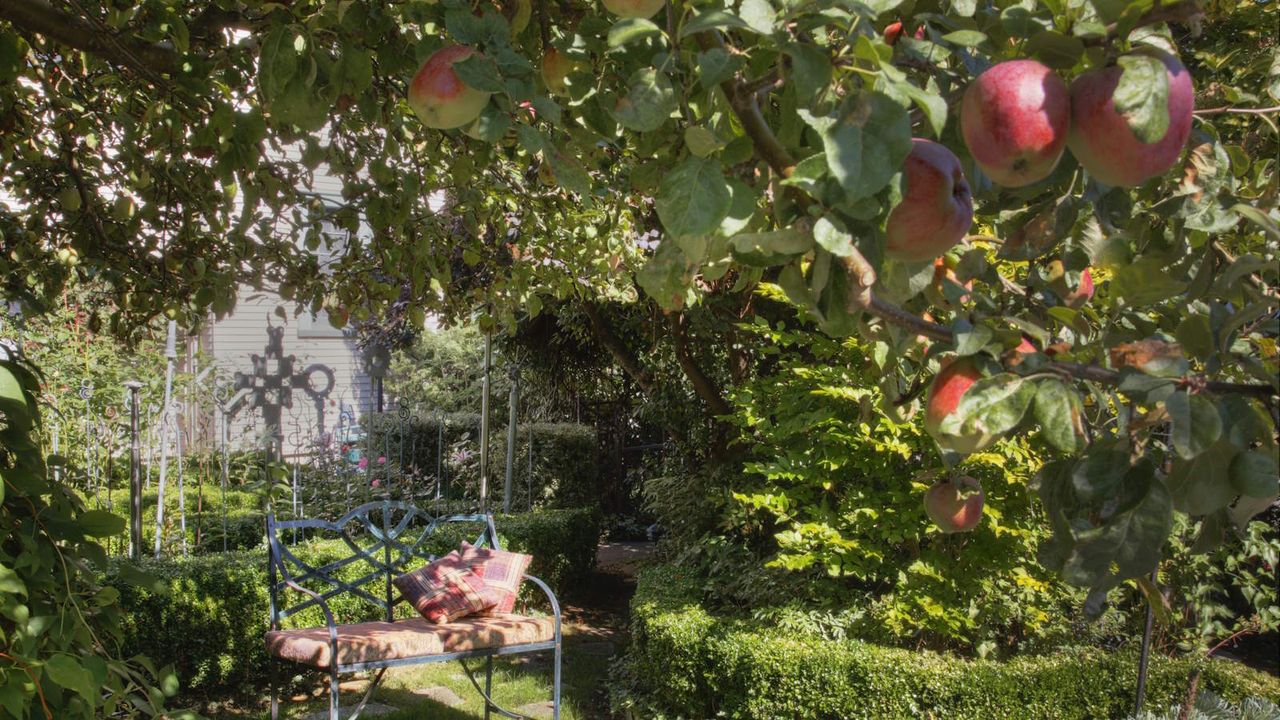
x: 824, y: 358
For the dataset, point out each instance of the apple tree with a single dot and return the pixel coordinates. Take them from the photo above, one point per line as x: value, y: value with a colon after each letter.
x: 1015, y: 205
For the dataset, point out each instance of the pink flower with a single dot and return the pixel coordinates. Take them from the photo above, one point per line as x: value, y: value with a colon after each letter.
x: 382, y: 459
x: 377, y: 482
x: 364, y: 463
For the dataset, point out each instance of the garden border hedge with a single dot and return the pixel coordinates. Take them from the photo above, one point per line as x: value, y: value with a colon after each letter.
x: 205, y: 615
x: 684, y: 662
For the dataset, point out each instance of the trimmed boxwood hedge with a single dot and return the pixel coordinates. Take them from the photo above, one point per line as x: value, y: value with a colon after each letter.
x: 206, y: 614
x: 685, y: 662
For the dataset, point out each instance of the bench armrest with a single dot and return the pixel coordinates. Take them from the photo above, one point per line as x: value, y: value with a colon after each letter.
x: 555, y: 604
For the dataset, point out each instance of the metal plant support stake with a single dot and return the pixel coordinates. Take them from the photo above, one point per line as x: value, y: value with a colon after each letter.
x: 182, y: 488
x: 512, y: 407
x: 135, y: 473
x: 170, y: 354
x: 1145, y: 655
x: 484, y: 425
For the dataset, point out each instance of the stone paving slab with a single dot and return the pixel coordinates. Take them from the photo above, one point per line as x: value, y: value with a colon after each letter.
x: 539, y: 710
x: 371, y: 710
x: 440, y: 694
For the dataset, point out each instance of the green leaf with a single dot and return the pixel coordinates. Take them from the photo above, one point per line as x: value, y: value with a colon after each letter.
x: 866, y: 144
x: 1256, y: 473
x: 831, y: 236
x: 1099, y: 474
x: 277, y: 61
x: 991, y: 406
x: 10, y: 583
x: 13, y: 401
x: 629, y: 30
x: 694, y: 197
x: 479, y: 72
x: 965, y: 38
x: 1195, y: 336
x: 1196, y: 423
x: 1142, y: 96
x: 760, y: 15
x: 1202, y: 484
x: 1129, y: 543
x: 742, y: 208
x: 649, y: 101
x: 701, y: 141
x: 100, y: 523
x: 569, y: 173
x: 713, y: 20
x: 666, y: 276
x: 972, y: 340
x: 716, y: 65
x: 66, y: 671
x: 1060, y: 414
x: 810, y: 70
x: 933, y: 105
x: 1144, y: 282
x: 1055, y: 49
x: 770, y: 248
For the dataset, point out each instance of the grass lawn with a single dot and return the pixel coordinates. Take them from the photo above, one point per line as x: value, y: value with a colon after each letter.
x: 517, y: 682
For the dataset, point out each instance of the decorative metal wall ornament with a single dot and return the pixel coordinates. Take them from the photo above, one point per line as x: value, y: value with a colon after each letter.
x: 270, y: 387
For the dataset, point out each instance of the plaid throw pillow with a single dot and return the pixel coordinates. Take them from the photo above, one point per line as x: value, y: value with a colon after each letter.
x: 503, y: 572
x: 445, y: 589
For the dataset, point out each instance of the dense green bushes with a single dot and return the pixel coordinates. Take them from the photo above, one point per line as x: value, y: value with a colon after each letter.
x: 686, y: 662
x: 206, y: 614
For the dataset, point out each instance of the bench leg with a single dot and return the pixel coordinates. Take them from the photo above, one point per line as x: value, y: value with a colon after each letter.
x: 273, y: 676
x: 488, y: 685
x: 333, y: 695
x: 555, y: 687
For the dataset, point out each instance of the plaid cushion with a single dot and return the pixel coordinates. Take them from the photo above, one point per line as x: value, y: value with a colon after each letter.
x: 503, y: 572
x: 444, y: 589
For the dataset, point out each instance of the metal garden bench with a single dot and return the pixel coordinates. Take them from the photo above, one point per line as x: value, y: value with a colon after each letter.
x: 398, y: 531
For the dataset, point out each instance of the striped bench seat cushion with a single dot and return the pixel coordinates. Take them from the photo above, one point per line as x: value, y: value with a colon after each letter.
x: 415, y: 637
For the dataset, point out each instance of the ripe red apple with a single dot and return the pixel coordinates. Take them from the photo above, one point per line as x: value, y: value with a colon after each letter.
x: 555, y: 67
x: 948, y: 387
x: 955, y: 505
x: 439, y: 97
x: 634, y: 8
x: 1072, y: 298
x: 1100, y: 137
x: 936, y: 209
x: 1014, y: 119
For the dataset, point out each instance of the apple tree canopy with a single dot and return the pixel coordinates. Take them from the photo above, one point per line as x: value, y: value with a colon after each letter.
x: 163, y: 151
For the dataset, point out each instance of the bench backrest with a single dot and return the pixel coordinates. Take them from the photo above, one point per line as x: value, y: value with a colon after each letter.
x: 385, y: 538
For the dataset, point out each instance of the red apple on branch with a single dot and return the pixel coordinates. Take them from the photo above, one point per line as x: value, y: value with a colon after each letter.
x: 439, y: 97
x: 936, y: 209
x: 955, y: 505
x: 634, y: 8
x: 1101, y: 138
x: 1071, y: 297
x: 1014, y: 118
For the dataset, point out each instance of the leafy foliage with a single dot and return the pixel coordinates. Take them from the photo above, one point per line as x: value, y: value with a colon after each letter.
x: 685, y: 661
x: 59, y: 624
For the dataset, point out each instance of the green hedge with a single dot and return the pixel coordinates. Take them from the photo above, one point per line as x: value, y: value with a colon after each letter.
x: 684, y: 662
x: 206, y: 614
x: 566, y: 466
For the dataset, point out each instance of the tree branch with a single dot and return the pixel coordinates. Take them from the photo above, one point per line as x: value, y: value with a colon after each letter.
x: 1182, y: 12
x: 745, y: 105
x: 620, y: 352
x: 1241, y: 111
x: 38, y: 16
x: 702, y: 384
